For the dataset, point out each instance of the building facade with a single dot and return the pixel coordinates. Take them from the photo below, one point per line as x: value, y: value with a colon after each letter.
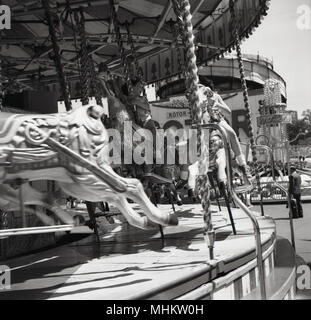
x: 223, y: 76
x: 273, y: 120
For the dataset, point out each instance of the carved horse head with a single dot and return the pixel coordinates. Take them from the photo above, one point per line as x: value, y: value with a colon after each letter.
x: 72, y: 149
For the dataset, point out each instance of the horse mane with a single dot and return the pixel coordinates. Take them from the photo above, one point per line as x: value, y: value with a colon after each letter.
x: 81, y: 116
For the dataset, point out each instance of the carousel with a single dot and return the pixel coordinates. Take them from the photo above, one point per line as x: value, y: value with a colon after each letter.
x: 128, y: 230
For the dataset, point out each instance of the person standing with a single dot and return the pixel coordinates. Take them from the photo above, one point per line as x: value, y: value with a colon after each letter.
x: 294, y: 190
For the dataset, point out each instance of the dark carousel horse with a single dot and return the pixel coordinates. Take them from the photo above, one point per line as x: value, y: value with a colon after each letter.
x: 122, y: 107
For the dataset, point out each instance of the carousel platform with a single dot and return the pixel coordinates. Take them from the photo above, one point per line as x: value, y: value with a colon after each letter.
x: 276, y: 199
x: 130, y: 264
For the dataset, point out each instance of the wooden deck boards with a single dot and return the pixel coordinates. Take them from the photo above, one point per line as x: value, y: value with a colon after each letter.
x: 130, y: 263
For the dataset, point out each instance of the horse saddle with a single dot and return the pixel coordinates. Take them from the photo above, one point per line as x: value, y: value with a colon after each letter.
x: 11, y: 122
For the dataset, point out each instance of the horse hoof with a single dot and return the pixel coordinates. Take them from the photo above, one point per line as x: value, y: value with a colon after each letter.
x: 150, y: 225
x: 172, y: 220
x: 89, y: 224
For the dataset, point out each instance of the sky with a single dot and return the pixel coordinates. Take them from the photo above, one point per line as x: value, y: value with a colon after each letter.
x: 281, y: 38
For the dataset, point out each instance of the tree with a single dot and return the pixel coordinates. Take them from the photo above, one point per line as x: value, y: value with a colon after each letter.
x: 300, y: 126
x: 306, y: 114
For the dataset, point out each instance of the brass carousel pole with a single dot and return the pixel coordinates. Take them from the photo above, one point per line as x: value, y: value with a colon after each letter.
x: 85, y: 82
x: 180, y: 62
x: 85, y: 90
x: 182, y: 11
x: 246, y: 99
x: 180, y: 28
x: 1, y: 88
x: 57, y: 58
x: 95, y: 83
x: 3, y: 214
x: 117, y: 31
x: 138, y: 70
x: 260, y: 263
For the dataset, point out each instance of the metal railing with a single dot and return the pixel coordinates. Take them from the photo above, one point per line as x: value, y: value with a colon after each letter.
x: 292, y: 231
x: 50, y: 224
x: 4, y: 233
x: 271, y: 192
x: 252, y: 217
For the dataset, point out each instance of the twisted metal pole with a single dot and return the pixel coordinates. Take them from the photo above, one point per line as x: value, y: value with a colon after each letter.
x: 182, y: 11
x: 85, y: 91
x: 260, y: 263
x: 181, y: 29
x: 57, y: 58
x: 116, y: 26
x: 84, y: 61
x: 138, y: 69
x: 246, y: 99
x: 87, y: 65
x: 95, y: 83
x: 181, y: 67
x: 1, y: 88
x: 133, y: 52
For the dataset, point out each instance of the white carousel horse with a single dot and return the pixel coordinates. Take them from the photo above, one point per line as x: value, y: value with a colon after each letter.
x: 213, y: 108
x: 72, y: 149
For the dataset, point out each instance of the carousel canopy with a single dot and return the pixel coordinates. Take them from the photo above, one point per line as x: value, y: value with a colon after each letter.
x: 27, y: 53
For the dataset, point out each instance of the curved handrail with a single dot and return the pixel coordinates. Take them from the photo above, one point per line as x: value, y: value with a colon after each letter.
x: 252, y: 217
x: 269, y: 150
x: 304, y: 172
x: 285, y: 191
x: 292, y: 232
x: 4, y: 233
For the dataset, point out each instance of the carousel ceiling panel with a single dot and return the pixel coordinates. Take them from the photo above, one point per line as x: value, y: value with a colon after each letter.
x: 11, y: 51
x: 27, y: 45
x: 143, y: 8
x: 95, y: 27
